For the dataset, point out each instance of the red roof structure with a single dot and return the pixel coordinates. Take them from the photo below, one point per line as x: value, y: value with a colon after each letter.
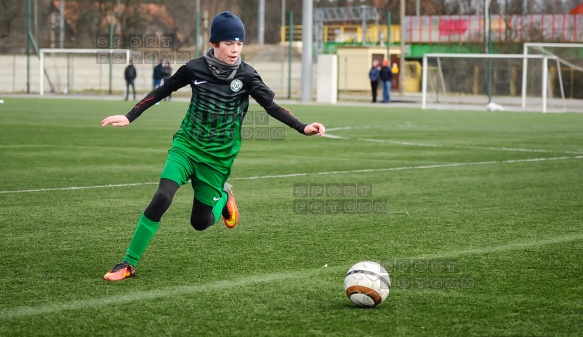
x: 577, y: 9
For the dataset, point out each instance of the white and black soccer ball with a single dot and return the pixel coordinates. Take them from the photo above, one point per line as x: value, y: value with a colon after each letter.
x: 367, y: 284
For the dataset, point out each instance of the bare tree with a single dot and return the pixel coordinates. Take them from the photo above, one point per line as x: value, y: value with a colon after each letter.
x: 495, y: 7
x: 184, y: 14
x: 11, y: 10
x: 11, y: 27
x: 129, y: 17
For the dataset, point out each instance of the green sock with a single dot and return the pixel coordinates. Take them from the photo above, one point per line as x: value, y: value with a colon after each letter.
x: 218, y: 209
x: 142, y: 237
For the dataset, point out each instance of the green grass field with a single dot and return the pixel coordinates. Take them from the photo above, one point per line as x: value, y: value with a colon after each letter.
x: 481, y: 232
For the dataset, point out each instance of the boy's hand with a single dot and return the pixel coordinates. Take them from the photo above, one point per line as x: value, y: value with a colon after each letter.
x: 117, y: 120
x: 315, y: 129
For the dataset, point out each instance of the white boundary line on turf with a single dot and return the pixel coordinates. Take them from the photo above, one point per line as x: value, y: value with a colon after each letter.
x: 470, y: 147
x: 93, y: 303
x: 342, y: 128
x: 277, y: 176
x: 421, y: 167
x: 72, y: 188
x: 503, y: 248
x: 397, y: 142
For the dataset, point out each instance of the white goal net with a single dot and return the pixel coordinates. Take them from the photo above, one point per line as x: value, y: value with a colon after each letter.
x: 570, y: 57
x: 64, y: 71
x: 493, y: 82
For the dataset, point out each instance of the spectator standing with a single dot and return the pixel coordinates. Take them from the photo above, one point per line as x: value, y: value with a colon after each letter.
x: 158, y: 75
x: 373, y: 75
x: 130, y: 75
x: 386, y: 76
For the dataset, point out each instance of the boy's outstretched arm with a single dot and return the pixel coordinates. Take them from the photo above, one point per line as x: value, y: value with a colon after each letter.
x: 286, y: 117
x: 177, y: 81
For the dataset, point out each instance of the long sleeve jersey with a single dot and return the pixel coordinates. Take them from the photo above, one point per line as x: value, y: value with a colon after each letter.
x: 212, y: 125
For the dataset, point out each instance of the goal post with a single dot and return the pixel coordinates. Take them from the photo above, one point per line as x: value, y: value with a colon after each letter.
x: 570, y: 66
x: 95, y: 62
x: 492, y: 81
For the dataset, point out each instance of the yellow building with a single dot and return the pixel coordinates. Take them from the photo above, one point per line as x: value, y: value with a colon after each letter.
x: 354, y: 64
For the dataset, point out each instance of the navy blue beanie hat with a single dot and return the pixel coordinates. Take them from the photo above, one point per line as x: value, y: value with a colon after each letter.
x: 226, y: 26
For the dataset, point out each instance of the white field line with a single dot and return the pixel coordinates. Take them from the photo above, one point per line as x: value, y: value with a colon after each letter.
x: 278, y: 176
x: 340, y: 128
x: 327, y: 135
x: 213, y: 287
x: 77, y: 188
x: 437, y: 145
x: 504, y: 248
x: 470, y: 147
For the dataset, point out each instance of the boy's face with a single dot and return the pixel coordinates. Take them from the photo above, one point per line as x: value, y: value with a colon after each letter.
x: 228, y: 51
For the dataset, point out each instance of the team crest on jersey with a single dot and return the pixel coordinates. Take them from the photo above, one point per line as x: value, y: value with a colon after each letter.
x: 236, y: 85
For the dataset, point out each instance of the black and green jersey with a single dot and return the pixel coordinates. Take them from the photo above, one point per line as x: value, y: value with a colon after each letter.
x: 211, y: 128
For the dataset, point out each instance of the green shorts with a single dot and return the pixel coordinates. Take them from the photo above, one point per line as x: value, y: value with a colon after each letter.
x: 207, y: 181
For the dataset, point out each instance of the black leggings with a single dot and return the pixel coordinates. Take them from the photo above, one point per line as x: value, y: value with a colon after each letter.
x: 374, y: 86
x: 201, y: 216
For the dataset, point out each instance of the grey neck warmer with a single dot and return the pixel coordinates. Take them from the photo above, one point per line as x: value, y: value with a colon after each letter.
x: 220, y: 69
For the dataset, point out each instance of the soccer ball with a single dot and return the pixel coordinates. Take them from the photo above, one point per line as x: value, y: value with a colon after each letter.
x: 367, y: 284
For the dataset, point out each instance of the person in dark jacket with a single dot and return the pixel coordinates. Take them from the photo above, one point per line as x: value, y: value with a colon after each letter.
x: 130, y: 75
x: 373, y: 75
x: 166, y: 73
x: 386, y: 77
x: 158, y: 75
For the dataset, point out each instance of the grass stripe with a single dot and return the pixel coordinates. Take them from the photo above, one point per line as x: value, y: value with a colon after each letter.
x: 257, y: 279
x: 277, y: 176
x: 153, y: 294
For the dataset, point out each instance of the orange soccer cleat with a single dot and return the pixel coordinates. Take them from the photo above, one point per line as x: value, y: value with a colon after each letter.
x: 120, y: 272
x: 230, y: 211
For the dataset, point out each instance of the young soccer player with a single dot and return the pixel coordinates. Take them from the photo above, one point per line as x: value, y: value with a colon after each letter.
x: 209, y: 138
